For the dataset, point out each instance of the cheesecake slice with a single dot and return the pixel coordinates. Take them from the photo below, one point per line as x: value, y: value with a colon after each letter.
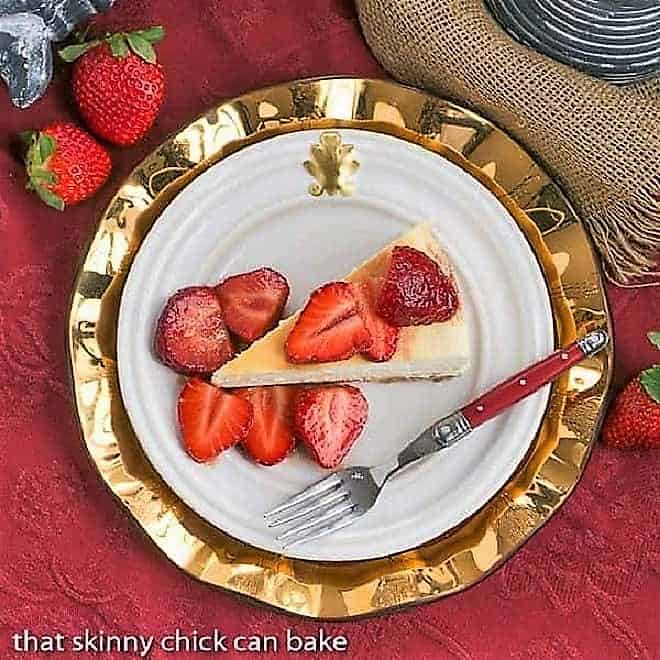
x: 425, y: 351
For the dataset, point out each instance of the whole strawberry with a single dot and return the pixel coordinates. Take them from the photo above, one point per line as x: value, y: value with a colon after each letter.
x: 117, y: 84
x: 634, y: 419
x: 64, y: 164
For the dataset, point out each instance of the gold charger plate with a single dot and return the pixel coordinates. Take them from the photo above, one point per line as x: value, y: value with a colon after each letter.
x: 444, y: 565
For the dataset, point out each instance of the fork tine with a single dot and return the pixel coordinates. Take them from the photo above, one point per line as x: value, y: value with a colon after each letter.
x: 336, y: 494
x: 328, y: 528
x: 329, y: 515
x: 319, y: 488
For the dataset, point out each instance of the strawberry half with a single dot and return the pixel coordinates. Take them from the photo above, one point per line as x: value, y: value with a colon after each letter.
x: 384, y: 336
x: 65, y: 165
x: 329, y: 420
x: 416, y: 291
x: 329, y: 328
x: 191, y: 335
x: 271, y: 438
x: 211, y: 419
x: 253, y: 302
x: 118, y: 86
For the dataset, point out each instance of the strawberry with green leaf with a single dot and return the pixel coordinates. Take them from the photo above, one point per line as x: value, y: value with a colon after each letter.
x: 64, y: 164
x: 634, y: 419
x: 118, y: 85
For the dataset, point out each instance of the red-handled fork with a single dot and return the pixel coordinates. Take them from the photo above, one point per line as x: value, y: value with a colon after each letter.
x: 346, y: 495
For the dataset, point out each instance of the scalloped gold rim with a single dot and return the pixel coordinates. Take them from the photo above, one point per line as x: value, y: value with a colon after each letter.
x: 454, y: 561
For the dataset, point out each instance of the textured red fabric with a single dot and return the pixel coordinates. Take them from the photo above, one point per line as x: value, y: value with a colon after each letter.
x: 586, y: 586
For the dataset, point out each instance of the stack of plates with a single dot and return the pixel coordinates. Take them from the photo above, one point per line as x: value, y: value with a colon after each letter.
x: 616, y: 40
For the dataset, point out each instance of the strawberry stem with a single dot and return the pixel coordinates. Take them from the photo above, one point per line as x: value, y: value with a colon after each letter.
x: 40, y: 147
x: 654, y: 338
x: 118, y: 45
x: 650, y: 380
x: 141, y: 47
x: 139, y: 42
x: 73, y: 52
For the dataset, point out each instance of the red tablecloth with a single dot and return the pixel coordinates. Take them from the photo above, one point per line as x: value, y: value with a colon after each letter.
x: 586, y: 586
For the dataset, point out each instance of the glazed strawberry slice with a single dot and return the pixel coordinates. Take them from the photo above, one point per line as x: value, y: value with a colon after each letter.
x: 211, y: 419
x: 416, y: 291
x: 271, y: 437
x: 329, y: 328
x: 191, y: 335
x: 329, y: 420
x: 384, y: 336
x: 253, y: 302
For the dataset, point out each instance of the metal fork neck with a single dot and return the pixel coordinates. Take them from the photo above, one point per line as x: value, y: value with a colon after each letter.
x: 441, y: 435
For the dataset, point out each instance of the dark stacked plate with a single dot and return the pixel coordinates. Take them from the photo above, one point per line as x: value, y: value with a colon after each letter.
x: 614, y: 40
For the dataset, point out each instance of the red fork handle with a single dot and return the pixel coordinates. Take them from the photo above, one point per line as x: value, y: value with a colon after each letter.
x: 532, y: 378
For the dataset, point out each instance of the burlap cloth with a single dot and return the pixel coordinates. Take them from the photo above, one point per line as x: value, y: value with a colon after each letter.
x: 600, y: 141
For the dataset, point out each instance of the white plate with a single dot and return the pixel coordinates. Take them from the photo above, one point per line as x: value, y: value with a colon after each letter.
x: 253, y: 209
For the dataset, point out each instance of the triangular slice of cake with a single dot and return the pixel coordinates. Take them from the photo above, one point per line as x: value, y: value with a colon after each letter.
x: 423, y: 351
